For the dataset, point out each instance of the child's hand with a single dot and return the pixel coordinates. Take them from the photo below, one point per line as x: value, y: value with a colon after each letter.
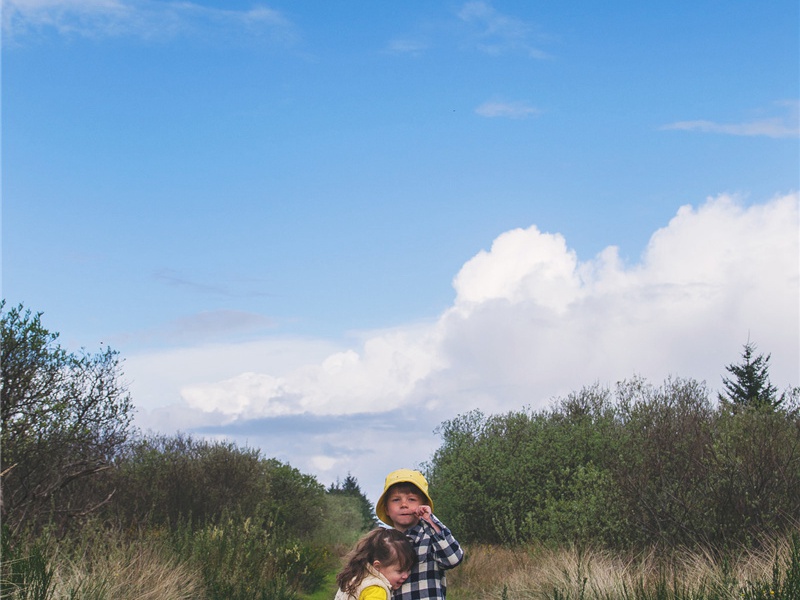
x: 424, y: 512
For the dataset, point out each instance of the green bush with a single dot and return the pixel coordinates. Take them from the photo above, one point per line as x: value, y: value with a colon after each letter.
x: 248, y: 559
x: 161, y: 480
x: 647, y: 466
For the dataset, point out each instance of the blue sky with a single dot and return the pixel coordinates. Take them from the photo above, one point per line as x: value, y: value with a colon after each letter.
x: 323, y: 228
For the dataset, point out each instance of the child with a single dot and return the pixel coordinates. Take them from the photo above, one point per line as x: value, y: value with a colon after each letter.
x: 406, y: 506
x: 380, y: 562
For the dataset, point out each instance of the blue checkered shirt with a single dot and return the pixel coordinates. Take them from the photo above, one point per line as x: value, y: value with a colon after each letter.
x: 437, y: 552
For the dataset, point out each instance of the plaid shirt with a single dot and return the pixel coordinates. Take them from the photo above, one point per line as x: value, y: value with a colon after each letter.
x: 437, y: 552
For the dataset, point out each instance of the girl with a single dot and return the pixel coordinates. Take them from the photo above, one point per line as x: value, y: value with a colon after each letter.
x: 380, y: 562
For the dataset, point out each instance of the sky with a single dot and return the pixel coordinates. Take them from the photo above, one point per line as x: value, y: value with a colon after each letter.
x: 323, y: 229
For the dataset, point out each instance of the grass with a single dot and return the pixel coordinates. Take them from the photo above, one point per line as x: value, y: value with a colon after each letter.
x: 107, y: 571
x: 539, y: 573
x: 326, y: 591
x: 132, y: 572
x: 147, y: 570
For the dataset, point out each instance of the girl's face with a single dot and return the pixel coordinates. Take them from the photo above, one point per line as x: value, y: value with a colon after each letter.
x: 394, y: 575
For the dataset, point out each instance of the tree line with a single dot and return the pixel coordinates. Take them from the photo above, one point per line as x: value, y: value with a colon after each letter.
x: 639, y: 466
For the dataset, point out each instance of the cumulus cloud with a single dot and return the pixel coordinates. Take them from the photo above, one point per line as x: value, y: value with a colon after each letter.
x: 530, y: 321
x: 379, y: 378
x: 145, y: 19
x: 783, y: 126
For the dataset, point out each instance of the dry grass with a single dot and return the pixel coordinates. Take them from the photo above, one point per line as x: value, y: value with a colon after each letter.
x: 138, y: 571
x: 536, y: 572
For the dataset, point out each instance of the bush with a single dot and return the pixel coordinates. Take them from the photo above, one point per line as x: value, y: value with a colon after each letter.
x: 649, y: 466
x: 163, y: 480
x: 243, y: 559
x: 64, y: 417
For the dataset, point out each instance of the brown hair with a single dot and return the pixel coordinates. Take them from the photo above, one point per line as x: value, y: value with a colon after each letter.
x: 406, y: 487
x: 388, y: 546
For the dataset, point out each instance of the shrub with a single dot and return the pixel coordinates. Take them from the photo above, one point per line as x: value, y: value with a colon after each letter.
x: 649, y: 466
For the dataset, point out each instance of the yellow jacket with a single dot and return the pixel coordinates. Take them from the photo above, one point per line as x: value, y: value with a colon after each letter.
x: 374, y: 586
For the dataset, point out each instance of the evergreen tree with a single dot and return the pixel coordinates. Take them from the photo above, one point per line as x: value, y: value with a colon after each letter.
x: 749, y: 385
x: 351, y: 488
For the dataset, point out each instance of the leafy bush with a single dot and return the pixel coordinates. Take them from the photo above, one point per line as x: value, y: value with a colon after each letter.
x: 647, y: 466
x: 243, y: 559
x: 64, y: 417
x: 162, y: 480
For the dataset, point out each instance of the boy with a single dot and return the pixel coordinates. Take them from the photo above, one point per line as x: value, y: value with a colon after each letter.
x: 406, y: 506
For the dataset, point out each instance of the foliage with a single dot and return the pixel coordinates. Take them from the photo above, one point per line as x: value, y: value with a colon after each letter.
x: 161, y: 480
x: 750, y: 385
x: 526, y: 475
x: 164, y: 480
x: 350, y: 488
x: 25, y: 574
x: 662, y: 468
x: 296, y: 500
x: 645, y: 466
x: 64, y: 416
x: 244, y: 559
x: 343, y: 523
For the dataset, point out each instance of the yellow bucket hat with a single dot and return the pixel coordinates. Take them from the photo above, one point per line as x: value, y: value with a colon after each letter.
x: 401, y: 476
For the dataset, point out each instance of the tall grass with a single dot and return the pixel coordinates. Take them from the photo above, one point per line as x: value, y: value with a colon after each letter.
x: 541, y: 573
x: 98, y: 568
x: 233, y: 560
x: 134, y: 571
x: 25, y: 574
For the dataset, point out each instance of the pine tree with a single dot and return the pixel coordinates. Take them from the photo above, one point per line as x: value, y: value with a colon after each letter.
x: 749, y: 385
x: 351, y: 488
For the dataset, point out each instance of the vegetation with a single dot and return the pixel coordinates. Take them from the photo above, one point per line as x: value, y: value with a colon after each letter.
x: 92, y: 509
x: 645, y: 466
x: 64, y: 417
x: 644, y: 492
x: 539, y: 572
x: 350, y: 488
x: 750, y: 385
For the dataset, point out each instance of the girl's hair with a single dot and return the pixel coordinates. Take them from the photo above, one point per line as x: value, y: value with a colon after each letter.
x: 388, y: 546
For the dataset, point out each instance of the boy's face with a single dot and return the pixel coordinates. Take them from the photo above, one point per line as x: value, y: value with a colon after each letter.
x: 401, y: 507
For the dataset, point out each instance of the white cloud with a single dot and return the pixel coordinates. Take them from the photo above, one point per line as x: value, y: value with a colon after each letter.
x: 497, y: 33
x: 378, y: 379
x: 512, y: 110
x: 157, y: 377
x: 146, y: 19
x: 783, y: 126
x: 407, y: 46
x: 530, y: 321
